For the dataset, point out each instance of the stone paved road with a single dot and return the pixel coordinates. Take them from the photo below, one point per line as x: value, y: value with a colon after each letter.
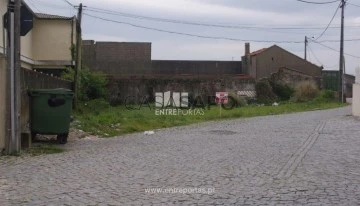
x: 308, y: 158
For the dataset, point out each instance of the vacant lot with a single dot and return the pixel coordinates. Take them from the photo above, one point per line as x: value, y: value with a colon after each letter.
x: 113, y: 121
x: 310, y: 158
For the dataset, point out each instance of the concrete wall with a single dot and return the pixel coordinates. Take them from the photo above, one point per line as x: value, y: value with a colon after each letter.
x: 2, y: 102
x: 52, y: 40
x: 117, y: 58
x: 120, y: 89
x: 195, y: 68
x: 126, y: 59
x: 27, y: 46
x: 356, y: 100
x: 117, y: 51
x: 269, y: 61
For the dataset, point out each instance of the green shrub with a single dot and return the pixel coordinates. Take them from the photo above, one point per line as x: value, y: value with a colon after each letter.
x: 240, y: 101
x: 92, y: 85
x: 283, y: 92
x: 326, y: 96
x: 264, y: 92
x: 95, y: 106
x: 305, y: 91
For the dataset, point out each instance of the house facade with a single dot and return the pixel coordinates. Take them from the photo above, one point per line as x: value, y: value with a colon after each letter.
x: 47, y: 46
x: 265, y: 62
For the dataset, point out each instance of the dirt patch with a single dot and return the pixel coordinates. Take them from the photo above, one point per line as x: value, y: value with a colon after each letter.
x: 74, y: 134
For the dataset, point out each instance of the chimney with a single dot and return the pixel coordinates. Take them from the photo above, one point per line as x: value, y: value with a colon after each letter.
x: 247, y: 48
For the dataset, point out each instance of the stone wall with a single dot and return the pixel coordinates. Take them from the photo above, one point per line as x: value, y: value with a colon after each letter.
x: 120, y: 89
x: 293, y: 77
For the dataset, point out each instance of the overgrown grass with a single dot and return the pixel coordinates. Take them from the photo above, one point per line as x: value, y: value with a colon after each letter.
x: 114, y: 121
x: 42, y: 149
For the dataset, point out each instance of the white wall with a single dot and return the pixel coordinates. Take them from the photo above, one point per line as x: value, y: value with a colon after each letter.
x: 356, y: 100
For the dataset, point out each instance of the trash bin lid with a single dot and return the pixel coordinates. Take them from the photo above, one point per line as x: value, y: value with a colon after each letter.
x: 51, y: 91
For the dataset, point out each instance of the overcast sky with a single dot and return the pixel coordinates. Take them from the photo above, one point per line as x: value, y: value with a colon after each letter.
x: 255, y: 13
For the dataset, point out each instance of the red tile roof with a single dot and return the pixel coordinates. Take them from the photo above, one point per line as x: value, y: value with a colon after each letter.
x: 50, y: 16
x: 258, y: 51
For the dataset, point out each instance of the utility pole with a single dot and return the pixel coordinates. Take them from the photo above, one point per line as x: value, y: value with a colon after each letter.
x: 78, y: 55
x: 13, y: 78
x: 341, y: 66
x: 306, y: 43
x: 17, y: 45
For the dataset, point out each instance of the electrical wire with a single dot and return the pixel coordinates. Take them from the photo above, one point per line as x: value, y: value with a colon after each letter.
x: 201, y: 36
x: 327, y: 27
x: 34, y: 5
x: 221, y: 25
x: 353, y: 4
x: 69, y: 3
x: 45, y: 3
x: 323, y: 45
x: 316, y: 58
x: 339, y: 40
x: 188, y: 34
x: 313, y: 2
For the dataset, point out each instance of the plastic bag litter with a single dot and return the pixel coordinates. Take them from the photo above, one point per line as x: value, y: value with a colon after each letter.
x: 149, y: 132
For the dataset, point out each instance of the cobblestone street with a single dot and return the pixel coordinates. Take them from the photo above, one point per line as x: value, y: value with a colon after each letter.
x: 308, y: 158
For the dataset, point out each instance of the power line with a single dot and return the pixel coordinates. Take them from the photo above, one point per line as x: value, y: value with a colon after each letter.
x: 34, y: 5
x: 313, y: 2
x: 48, y: 4
x: 327, y: 27
x: 353, y: 4
x: 188, y: 34
x: 316, y: 42
x: 69, y: 3
x: 196, y: 23
x: 200, y: 36
x: 222, y: 25
x: 312, y: 52
x: 338, y: 40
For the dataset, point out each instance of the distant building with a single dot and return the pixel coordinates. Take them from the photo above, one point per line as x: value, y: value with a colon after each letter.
x: 267, y: 61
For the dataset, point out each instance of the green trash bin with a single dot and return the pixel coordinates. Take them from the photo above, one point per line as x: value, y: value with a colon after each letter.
x: 50, y: 112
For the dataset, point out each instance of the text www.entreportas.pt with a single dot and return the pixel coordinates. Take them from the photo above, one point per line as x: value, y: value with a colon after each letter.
x: 180, y: 190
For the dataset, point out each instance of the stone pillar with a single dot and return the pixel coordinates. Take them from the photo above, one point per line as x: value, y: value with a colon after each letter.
x: 245, y: 60
x: 247, y: 49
